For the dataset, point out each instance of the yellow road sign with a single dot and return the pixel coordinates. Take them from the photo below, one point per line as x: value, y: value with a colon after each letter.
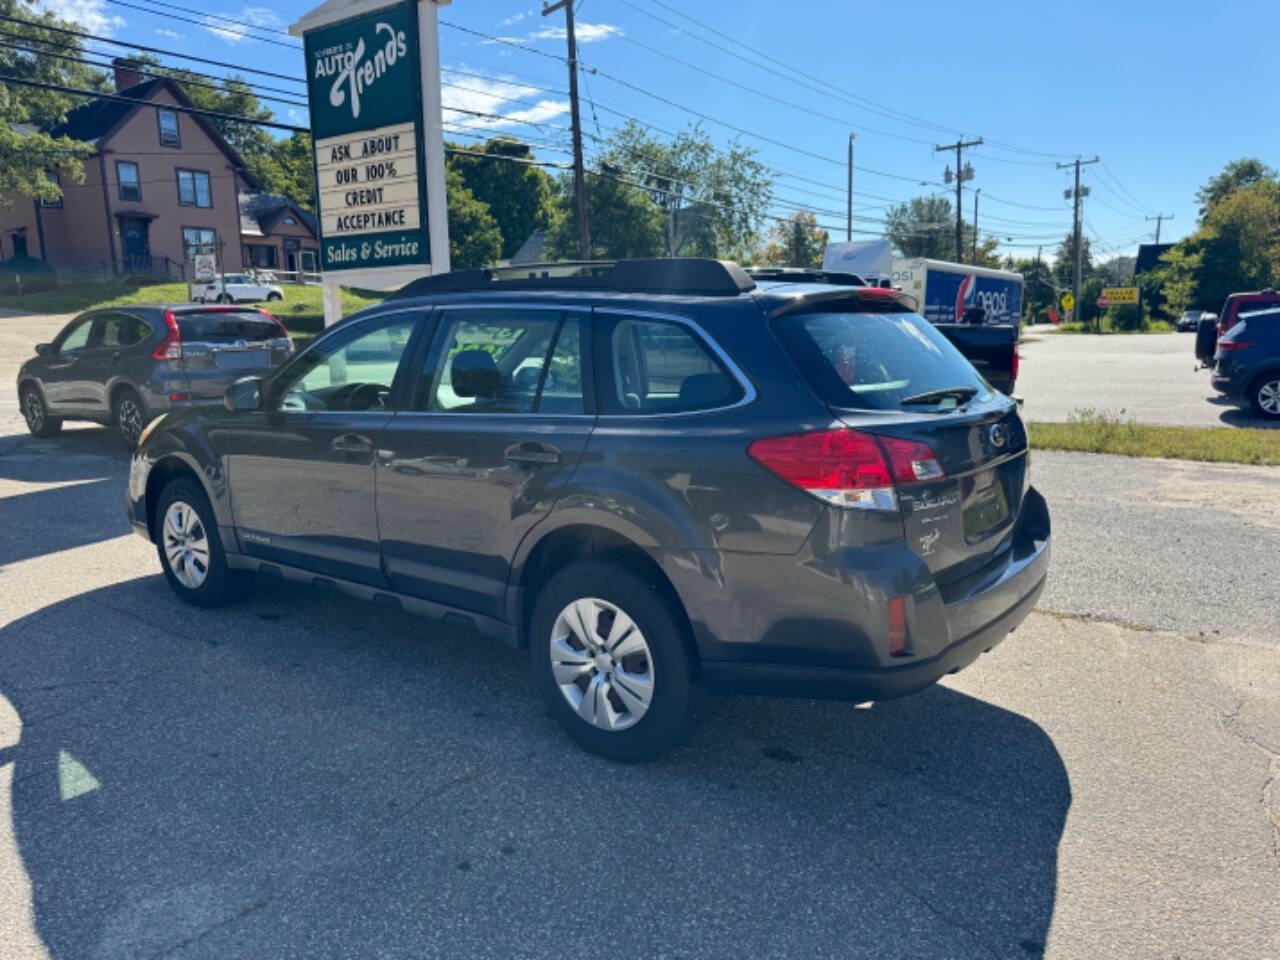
x: 1068, y: 302
x: 1117, y: 295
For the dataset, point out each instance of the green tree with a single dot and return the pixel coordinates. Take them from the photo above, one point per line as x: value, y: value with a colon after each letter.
x: 797, y: 241
x: 923, y: 227
x: 519, y: 194
x: 474, y: 238
x: 288, y: 170
x: 1038, y: 290
x: 624, y: 221
x: 711, y: 199
x: 27, y: 152
x: 1236, y: 175
x: 1064, y: 260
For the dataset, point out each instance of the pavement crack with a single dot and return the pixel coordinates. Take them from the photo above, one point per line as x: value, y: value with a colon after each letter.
x: 238, y: 915
x: 1269, y: 799
x: 1202, y: 639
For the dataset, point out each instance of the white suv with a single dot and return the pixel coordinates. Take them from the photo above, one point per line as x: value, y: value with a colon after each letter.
x: 240, y: 287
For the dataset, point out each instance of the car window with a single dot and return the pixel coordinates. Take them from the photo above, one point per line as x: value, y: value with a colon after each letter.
x: 496, y: 361
x: 76, y: 336
x: 118, y: 330
x: 226, y: 326
x: 658, y: 366
x: 868, y: 360
x: 352, y: 370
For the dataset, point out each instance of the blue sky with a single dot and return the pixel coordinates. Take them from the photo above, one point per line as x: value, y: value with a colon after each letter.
x: 1146, y: 86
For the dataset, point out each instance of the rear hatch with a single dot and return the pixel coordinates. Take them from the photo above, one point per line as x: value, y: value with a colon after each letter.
x: 885, y: 371
x: 220, y: 344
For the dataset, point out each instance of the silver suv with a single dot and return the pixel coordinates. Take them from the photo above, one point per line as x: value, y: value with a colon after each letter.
x: 125, y: 365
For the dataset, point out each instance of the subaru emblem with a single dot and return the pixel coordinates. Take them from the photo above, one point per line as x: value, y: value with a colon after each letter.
x: 996, y: 433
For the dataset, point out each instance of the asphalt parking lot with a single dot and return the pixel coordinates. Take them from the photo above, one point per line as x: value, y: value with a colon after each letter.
x: 305, y: 775
x: 1147, y: 377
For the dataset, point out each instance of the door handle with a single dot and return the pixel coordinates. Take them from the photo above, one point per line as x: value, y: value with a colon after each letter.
x: 352, y: 445
x: 532, y: 454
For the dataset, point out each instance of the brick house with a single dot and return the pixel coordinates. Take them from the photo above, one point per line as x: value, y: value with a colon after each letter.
x: 159, y: 181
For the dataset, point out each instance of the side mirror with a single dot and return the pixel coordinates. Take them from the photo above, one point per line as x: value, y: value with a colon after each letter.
x: 244, y: 394
x: 43, y: 348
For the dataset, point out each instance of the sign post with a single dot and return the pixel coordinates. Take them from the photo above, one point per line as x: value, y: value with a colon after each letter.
x: 373, y: 86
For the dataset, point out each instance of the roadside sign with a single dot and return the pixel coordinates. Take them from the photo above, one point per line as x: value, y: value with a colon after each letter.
x: 1068, y: 302
x: 1053, y: 316
x: 205, y: 266
x: 1121, y: 295
x: 364, y: 88
x: 1103, y: 302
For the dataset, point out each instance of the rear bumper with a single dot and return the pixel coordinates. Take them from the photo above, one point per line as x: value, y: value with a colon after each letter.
x: 830, y: 636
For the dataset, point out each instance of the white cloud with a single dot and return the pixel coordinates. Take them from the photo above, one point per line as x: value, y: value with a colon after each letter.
x: 513, y: 19
x: 171, y: 34
x: 505, y: 98
x: 298, y: 117
x: 584, y: 32
x: 91, y: 15
x: 232, y: 27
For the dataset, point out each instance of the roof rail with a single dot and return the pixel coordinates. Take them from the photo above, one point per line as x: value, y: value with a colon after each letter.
x: 805, y: 275
x: 693, y: 276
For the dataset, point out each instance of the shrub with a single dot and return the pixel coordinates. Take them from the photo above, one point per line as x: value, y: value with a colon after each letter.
x: 26, y: 275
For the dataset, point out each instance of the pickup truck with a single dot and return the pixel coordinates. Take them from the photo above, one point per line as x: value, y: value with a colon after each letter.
x: 992, y: 348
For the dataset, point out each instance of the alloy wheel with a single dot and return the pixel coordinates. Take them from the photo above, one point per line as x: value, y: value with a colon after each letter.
x: 1269, y: 397
x: 33, y: 411
x: 186, y: 544
x: 129, y: 418
x: 602, y: 664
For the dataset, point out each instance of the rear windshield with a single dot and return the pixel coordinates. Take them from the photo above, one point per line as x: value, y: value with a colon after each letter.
x: 226, y: 327
x: 871, y: 358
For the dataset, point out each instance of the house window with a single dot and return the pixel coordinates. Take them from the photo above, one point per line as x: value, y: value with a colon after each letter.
x: 52, y: 177
x: 193, y: 189
x: 198, y: 240
x: 169, y: 135
x: 290, y: 222
x: 130, y: 183
x: 260, y: 255
x: 20, y: 243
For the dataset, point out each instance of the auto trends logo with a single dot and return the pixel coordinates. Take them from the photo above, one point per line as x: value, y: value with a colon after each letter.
x: 353, y: 75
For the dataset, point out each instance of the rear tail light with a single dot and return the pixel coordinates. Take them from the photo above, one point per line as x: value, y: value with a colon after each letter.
x: 170, y: 347
x: 1013, y: 370
x: 846, y: 468
x: 284, y: 334
x: 897, y: 626
x: 1225, y: 345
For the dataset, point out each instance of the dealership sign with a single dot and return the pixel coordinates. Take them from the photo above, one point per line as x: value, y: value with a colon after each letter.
x: 1121, y: 295
x: 364, y: 87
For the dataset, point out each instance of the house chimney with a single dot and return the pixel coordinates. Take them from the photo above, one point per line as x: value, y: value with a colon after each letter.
x: 128, y: 73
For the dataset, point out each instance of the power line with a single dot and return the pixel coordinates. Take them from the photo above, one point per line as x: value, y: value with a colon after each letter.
x: 204, y: 22
x: 1112, y: 175
x: 159, y: 50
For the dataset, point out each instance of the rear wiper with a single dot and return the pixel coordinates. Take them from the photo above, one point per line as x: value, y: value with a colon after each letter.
x: 959, y: 394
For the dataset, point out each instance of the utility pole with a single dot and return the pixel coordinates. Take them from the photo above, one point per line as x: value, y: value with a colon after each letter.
x: 974, y: 256
x: 848, y: 230
x: 1075, y: 231
x: 1159, y: 218
x: 962, y: 174
x: 579, y: 177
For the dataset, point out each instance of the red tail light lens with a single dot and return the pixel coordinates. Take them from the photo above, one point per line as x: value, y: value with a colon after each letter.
x: 1226, y: 345
x: 846, y: 468
x: 1013, y: 370
x: 284, y: 333
x: 897, y: 626
x: 170, y: 347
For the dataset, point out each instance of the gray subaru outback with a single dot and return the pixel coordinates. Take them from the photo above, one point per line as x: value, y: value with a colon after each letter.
x: 661, y: 477
x: 124, y: 365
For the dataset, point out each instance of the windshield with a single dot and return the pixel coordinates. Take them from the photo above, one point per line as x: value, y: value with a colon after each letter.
x: 876, y: 360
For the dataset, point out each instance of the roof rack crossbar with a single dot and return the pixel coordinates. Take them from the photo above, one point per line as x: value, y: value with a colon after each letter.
x: 691, y: 276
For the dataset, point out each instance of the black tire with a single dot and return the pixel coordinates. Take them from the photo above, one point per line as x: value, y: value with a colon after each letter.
x: 1264, y: 394
x: 225, y: 298
x: 677, y: 695
x: 36, y: 413
x: 274, y: 297
x: 221, y: 585
x: 129, y: 416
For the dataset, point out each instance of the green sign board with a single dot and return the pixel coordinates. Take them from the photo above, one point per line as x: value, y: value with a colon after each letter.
x: 364, y: 87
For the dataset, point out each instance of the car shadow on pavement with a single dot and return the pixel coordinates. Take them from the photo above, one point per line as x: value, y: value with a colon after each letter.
x: 304, y: 775
x: 1241, y: 417
x: 79, y: 482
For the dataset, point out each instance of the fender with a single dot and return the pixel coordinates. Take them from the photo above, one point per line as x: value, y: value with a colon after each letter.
x: 179, y: 442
